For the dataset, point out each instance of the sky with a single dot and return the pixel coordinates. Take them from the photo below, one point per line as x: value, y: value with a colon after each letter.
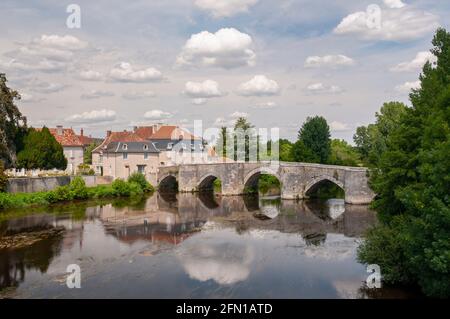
x: 275, y: 62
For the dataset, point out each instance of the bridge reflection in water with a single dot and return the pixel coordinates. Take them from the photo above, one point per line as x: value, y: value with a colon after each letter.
x: 184, y: 245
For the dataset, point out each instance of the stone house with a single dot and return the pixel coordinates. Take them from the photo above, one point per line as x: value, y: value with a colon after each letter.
x: 145, y: 149
x: 72, y: 147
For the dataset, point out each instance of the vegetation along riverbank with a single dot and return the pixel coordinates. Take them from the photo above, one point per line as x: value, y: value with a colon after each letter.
x: 136, y: 185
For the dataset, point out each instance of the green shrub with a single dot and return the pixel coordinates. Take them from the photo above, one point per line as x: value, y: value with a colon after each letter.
x: 121, y: 188
x: 78, y: 188
x: 135, y: 189
x: 140, y: 179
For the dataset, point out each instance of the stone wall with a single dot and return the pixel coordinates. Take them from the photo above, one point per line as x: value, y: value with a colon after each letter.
x: 42, y: 184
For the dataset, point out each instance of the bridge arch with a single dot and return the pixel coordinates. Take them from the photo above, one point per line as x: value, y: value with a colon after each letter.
x: 168, y: 182
x: 314, y: 183
x: 251, y: 178
x: 206, y: 182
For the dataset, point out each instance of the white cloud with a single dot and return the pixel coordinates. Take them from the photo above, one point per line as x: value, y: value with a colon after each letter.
x: 29, y: 98
x: 205, y: 89
x: 416, y: 64
x: 133, y: 95
x: 49, y: 53
x: 238, y: 114
x: 66, y: 42
x: 265, y: 105
x: 395, y: 24
x: 332, y: 61
x: 124, y: 72
x: 320, y: 88
x: 157, y: 115
x: 259, y: 85
x: 34, y: 66
x: 36, y: 85
x: 339, y: 126
x: 90, y: 75
x: 395, y: 4
x: 94, y: 116
x: 225, y: 8
x: 407, y: 87
x: 96, y: 94
x: 221, y: 121
x: 227, y: 48
x: 199, y: 101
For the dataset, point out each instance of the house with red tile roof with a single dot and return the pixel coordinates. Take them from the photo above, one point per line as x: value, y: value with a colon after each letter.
x: 72, y: 147
x: 146, y: 148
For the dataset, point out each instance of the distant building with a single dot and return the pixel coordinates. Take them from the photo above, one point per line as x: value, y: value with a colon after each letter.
x: 72, y: 146
x: 145, y: 149
x: 88, y: 140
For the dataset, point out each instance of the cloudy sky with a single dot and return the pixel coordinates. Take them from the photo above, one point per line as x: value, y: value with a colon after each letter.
x: 274, y: 61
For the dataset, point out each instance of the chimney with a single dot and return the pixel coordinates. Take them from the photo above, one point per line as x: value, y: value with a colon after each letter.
x: 135, y: 129
x: 156, y: 127
x: 59, y: 130
x: 108, y: 133
x: 81, y: 132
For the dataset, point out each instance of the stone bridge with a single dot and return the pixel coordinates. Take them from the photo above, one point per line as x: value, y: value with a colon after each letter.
x: 297, y: 179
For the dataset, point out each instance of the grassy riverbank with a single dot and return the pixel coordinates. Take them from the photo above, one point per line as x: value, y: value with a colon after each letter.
x: 136, y: 185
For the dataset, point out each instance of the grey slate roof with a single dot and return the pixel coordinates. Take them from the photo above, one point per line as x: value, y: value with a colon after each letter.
x: 131, y: 147
x: 162, y: 145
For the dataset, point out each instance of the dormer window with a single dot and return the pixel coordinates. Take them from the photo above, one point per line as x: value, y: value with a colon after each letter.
x: 145, y: 147
x: 184, y: 146
x: 193, y: 147
x: 169, y: 146
x: 125, y: 146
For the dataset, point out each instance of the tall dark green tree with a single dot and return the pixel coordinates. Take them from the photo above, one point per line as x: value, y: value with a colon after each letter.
x: 41, y: 151
x: 314, y: 144
x: 412, y: 245
x: 244, y: 132
x: 12, y: 123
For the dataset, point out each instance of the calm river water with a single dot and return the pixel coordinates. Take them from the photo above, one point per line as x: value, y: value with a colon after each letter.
x: 189, y: 246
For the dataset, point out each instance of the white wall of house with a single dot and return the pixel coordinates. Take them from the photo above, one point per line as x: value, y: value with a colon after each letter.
x: 74, y: 156
x: 122, y: 166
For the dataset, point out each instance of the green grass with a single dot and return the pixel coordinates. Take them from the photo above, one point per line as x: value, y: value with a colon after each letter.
x: 77, y: 190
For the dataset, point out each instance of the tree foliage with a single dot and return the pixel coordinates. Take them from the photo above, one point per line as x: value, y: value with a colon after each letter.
x: 413, y: 182
x: 87, y: 156
x: 12, y: 123
x: 371, y: 140
x: 41, y: 151
x: 343, y: 154
x: 313, y: 144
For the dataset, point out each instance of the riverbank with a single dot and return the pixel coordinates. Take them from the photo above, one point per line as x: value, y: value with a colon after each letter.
x: 77, y: 190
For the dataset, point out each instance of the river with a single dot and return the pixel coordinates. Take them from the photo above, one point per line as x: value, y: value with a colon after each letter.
x: 189, y: 246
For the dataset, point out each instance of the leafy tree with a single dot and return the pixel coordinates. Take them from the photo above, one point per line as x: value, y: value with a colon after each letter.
x: 343, y: 154
x: 243, y: 129
x: 41, y: 151
x: 371, y: 140
x: 87, y: 156
x: 313, y: 143
x: 221, y: 143
x: 412, y: 181
x: 12, y: 123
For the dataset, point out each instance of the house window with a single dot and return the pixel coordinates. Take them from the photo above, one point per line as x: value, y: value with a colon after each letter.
x: 100, y: 158
x: 125, y: 156
x: 141, y: 169
x: 125, y: 146
x: 169, y: 146
x: 145, y: 147
x: 145, y: 155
